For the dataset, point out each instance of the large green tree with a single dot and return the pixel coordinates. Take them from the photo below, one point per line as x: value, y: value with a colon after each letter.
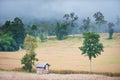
x: 99, y: 18
x: 15, y: 27
x: 91, y: 46
x: 30, y: 57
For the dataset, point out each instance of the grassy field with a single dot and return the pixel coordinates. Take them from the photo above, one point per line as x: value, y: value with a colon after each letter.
x: 65, y: 55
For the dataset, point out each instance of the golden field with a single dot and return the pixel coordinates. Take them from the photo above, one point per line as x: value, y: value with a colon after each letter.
x: 65, y: 55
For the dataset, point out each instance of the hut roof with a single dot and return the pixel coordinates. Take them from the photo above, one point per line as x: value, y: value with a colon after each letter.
x: 41, y: 65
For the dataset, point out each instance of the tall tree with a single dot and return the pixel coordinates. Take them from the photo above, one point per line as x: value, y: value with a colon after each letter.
x: 17, y: 28
x: 110, y: 29
x: 86, y: 25
x: 61, y: 31
x: 70, y: 20
x: 99, y: 18
x: 91, y: 46
x: 30, y: 57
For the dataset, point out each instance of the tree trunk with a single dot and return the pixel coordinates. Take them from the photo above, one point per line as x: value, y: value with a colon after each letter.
x: 90, y: 66
x: 99, y: 27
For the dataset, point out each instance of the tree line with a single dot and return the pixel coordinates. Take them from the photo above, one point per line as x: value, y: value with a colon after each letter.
x: 13, y: 33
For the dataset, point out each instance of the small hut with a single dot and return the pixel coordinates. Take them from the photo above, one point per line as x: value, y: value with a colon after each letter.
x: 42, y: 68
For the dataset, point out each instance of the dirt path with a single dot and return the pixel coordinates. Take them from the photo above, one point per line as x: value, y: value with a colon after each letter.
x: 28, y: 76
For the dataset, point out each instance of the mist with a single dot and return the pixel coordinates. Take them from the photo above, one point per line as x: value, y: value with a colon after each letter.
x: 55, y: 9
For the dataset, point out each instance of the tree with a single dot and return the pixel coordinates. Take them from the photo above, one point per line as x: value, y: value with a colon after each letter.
x: 91, y: 46
x: 70, y: 19
x: 15, y: 27
x: 111, y: 31
x: 34, y: 30
x: 61, y: 31
x: 7, y: 43
x: 30, y: 57
x: 99, y: 18
x: 44, y: 29
x: 86, y: 25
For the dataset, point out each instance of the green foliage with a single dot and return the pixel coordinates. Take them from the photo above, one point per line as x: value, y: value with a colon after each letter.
x: 29, y: 59
x: 111, y: 31
x: 61, y: 31
x: 17, y: 29
x: 33, y: 30
x: 43, y: 37
x: 91, y: 46
x: 7, y: 43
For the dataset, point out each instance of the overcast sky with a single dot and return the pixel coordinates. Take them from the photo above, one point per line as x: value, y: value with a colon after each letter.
x: 57, y: 8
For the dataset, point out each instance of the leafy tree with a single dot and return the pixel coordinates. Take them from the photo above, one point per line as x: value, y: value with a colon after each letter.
x: 86, y: 25
x: 6, y: 26
x: 99, y: 18
x: 30, y: 57
x: 91, y: 46
x: 17, y: 29
x: 61, y: 31
x: 7, y: 43
x: 110, y: 25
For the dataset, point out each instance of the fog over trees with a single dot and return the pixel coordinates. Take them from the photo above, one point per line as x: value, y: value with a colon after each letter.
x: 40, y: 12
x: 47, y: 9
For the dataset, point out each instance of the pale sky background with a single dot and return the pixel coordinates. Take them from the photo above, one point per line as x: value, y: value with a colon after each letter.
x: 47, y: 9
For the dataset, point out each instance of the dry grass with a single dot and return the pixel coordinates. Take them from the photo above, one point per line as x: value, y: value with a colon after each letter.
x: 28, y: 76
x: 65, y: 55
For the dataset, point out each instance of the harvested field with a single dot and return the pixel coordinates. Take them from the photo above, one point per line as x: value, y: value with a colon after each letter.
x: 28, y: 76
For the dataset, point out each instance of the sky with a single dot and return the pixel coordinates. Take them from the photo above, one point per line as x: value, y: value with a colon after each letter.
x: 48, y: 9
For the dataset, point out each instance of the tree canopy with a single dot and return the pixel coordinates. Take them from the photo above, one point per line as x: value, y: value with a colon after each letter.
x: 91, y: 46
x: 17, y: 31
